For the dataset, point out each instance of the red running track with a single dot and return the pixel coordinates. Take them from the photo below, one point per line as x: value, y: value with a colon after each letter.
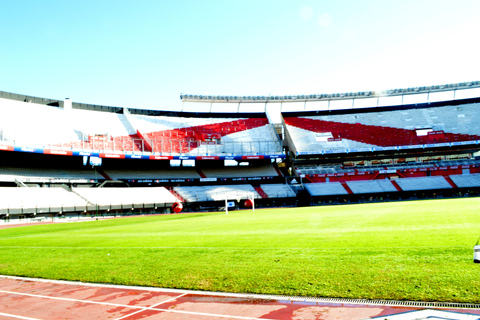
x: 32, y: 299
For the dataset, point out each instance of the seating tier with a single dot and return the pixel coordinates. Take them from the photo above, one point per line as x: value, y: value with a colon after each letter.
x: 325, y: 189
x: 388, y: 128
x: 466, y: 180
x: 423, y: 183
x: 216, y: 193
x: 126, y: 196
x: 371, y: 186
x: 278, y: 190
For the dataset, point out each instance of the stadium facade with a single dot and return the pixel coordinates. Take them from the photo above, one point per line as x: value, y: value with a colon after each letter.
x: 61, y: 159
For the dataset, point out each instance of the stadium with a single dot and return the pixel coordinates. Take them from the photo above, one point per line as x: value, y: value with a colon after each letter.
x: 239, y: 160
x: 333, y: 175
x: 86, y: 160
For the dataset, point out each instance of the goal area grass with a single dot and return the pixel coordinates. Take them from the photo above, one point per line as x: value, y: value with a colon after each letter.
x: 415, y: 250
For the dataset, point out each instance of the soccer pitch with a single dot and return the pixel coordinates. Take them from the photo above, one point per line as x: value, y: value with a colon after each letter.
x: 418, y: 250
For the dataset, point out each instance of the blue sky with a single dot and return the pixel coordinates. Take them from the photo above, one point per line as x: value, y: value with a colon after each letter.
x: 143, y: 53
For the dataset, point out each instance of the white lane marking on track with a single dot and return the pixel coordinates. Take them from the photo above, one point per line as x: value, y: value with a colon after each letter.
x: 152, y: 306
x: 133, y: 307
x: 69, y: 299
x: 16, y: 317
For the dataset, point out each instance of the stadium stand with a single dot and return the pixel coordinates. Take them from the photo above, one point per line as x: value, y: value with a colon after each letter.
x: 466, y: 180
x: 87, y: 130
x: 326, y: 189
x: 216, y: 193
x: 343, y: 148
x: 278, y: 190
x: 371, y: 186
x: 126, y: 197
x: 39, y: 200
x: 386, y: 128
x: 423, y: 183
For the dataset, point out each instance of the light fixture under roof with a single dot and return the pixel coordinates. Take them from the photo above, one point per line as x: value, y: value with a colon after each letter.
x: 340, y: 95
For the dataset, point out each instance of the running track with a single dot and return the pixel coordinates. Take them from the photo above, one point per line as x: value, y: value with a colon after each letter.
x: 33, y: 299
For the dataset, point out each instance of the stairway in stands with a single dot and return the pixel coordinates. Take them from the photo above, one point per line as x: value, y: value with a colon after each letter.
x: 176, y: 194
x: 261, y: 192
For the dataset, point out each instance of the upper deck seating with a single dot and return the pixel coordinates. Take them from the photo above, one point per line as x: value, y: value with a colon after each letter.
x: 208, y: 135
x: 36, y: 125
x: 389, y: 128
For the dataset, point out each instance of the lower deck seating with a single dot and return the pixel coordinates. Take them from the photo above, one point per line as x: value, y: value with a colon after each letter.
x: 278, y: 190
x: 325, y: 189
x: 216, y: 193
x: 466, y: 180
x: 423, y: 183
x: 371, y: 186
x: 37, y: 198
x: 126, y: 196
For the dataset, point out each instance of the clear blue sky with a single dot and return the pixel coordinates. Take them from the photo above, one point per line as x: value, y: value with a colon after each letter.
x: 143, y: 53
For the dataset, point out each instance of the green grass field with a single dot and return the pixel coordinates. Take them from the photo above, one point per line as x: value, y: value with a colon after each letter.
x: 420, y: 250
